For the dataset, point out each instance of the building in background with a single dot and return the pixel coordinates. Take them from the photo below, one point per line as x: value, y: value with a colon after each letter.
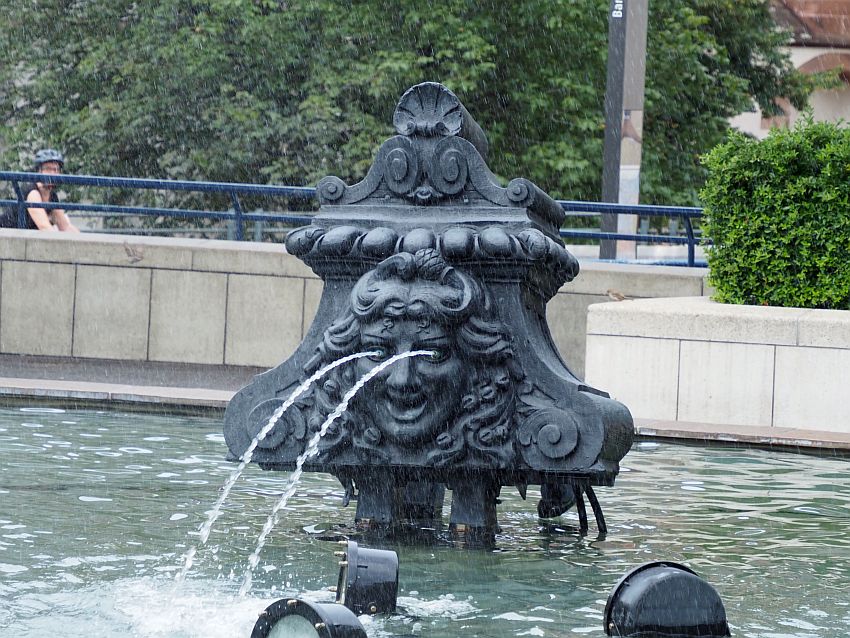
x: 821, y: 42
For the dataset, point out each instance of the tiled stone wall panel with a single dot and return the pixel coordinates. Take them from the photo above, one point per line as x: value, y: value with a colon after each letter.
x: 263, y: 319
x: 112, y: 312
x: 566, y: 316
x: 187, y: 316
x: 726, y: 383
x: 640, y: 373
x: 312, y: 296
x: 38, y: 308
x: 812, y: 389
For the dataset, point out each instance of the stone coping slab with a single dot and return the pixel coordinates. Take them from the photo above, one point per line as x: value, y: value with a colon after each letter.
x: 175, y: 397
x: 637, y: 280
x: 270, y: 258
x: 108, y: 392
x: 751, y: 435
x: 139, y: 251
x: 701, y: 319
x: 110, y: 372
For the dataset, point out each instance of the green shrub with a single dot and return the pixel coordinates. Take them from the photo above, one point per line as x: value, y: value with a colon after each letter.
x: 778, y: 212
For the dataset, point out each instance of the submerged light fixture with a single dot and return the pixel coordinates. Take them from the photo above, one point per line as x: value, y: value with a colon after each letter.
x: 367, y: 584
x: 368, y: 579
x: 662, y: 599
x: 298, y: 618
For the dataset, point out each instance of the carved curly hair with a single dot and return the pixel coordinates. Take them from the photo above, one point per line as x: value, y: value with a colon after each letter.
x: 424, y: 285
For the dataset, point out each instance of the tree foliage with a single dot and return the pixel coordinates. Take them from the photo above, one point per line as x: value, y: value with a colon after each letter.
x: 275, y: 91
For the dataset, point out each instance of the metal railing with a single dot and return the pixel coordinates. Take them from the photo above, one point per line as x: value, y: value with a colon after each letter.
x: 238, y: 217
x: 684, y: 213
x: 232, y: 190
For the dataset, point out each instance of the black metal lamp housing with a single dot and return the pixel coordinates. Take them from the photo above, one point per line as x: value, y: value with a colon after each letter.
x: 662, y: 599
x: 297, y: 618
x: 368, y: 579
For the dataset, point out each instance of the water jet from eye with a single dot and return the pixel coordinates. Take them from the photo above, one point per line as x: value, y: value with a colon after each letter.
x: 311, y: 450
x: 214, y: 513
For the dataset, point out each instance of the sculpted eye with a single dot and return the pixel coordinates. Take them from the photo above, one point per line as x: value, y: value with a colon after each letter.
x: 382, y: 353
x: 438, y: 355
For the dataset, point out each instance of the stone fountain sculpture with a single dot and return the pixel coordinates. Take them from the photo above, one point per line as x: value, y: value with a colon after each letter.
x: 430, y: 252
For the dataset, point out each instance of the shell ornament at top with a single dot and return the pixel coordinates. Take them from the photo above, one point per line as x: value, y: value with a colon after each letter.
x: 428, y: 109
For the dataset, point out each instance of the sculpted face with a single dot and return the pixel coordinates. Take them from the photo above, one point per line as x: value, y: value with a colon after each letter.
x: 416, y: 397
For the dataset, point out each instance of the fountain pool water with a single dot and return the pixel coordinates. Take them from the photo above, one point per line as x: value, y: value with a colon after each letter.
x: 96, y: 510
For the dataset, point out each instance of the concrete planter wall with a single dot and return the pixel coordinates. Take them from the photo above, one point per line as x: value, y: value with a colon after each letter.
x: 219, y: 302
x: 694, y: 360
x: 567, y: 311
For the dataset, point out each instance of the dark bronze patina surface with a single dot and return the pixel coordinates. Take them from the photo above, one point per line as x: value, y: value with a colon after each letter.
x: 430, y: 252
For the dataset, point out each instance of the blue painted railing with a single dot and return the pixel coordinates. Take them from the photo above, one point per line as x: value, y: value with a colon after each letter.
x: 684, y: 213
x: 238, y: 216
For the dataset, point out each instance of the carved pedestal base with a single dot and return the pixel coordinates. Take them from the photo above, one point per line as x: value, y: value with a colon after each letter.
x: 474, y: 507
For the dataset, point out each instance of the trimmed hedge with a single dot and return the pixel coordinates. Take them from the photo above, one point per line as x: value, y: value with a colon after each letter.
x: 778, y: 212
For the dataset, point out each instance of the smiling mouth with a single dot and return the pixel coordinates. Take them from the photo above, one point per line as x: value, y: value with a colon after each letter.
x: 406, y: 413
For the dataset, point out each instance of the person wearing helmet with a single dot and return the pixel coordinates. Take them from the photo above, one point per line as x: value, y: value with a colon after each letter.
x: 47, y: 161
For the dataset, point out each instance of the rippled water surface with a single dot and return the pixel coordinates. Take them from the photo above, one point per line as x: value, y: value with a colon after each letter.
x: 97, y: 509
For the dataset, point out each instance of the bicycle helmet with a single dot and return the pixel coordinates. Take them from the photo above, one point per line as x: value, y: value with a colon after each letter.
x: 48, y: 155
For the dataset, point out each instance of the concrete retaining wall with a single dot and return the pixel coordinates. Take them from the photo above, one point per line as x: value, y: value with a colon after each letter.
x: 152, y: 299
x: 218, y: 302
x: 694, y: 360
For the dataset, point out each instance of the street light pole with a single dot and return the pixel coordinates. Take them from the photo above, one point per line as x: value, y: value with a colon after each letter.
x: 621, y: 154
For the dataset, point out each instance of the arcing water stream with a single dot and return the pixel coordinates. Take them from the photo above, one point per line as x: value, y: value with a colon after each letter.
x: 312, y: 449
x: 215, y: 512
